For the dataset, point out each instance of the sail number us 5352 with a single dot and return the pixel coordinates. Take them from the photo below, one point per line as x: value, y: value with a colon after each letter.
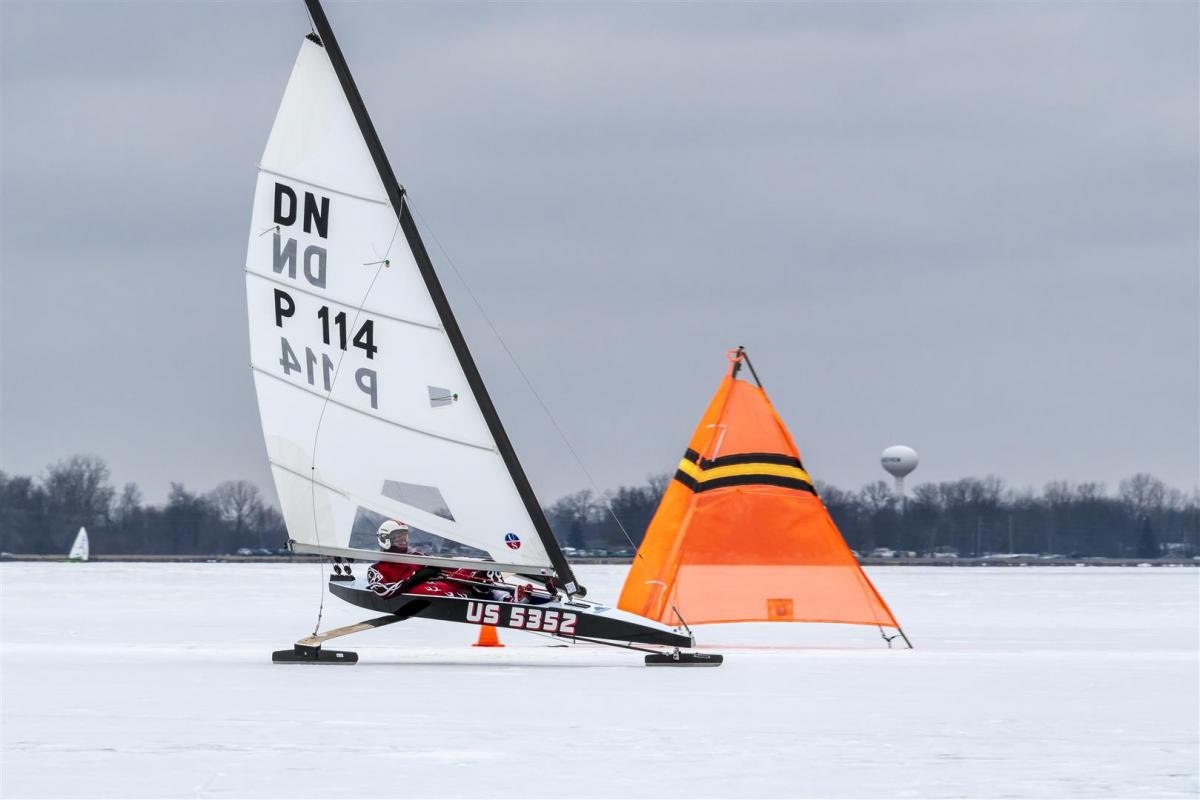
x: 547, y: 620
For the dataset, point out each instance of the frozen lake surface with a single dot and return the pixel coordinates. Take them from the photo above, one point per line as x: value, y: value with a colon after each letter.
x: 139, y: 680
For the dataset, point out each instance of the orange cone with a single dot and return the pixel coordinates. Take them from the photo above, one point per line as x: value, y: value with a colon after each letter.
x: 488, y: 637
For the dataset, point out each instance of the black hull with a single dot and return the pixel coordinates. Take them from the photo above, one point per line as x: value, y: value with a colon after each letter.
x: 566, y: 620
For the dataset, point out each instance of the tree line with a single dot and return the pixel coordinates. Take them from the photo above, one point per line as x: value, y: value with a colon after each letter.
x: 1144, y: 518
x: 43, y: 515
x: 969, y: 517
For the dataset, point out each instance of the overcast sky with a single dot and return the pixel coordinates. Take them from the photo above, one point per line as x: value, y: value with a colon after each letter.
x: 972, y: 229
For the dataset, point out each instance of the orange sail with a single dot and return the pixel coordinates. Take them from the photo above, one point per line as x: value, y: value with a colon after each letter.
x: 740, y: 534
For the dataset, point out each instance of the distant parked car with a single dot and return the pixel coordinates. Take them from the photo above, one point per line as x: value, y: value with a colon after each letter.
x: 262, y: 551
x: 245, y: 551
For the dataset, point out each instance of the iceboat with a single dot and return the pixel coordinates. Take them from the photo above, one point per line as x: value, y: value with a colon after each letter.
x: 740, y: 534
x: 371, y: 404
x: 79, y: 548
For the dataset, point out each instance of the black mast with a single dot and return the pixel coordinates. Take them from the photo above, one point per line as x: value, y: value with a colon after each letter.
x: 449, y: 323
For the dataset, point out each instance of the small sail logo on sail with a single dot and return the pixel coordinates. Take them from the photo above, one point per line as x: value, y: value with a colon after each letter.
x: 513, y: 541
x: 780, y: 609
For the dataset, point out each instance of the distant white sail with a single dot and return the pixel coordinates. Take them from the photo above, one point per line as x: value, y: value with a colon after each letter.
x: 79, y: 550
x: 364, y: 403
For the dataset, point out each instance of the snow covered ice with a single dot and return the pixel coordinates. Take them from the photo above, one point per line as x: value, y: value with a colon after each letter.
x: 145, y: 680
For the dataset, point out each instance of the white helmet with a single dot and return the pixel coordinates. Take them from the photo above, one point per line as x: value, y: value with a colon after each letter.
x: 386, y: 530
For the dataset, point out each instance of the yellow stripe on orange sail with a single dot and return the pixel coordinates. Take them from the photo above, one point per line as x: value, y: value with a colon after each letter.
x: 694, y: 471
x: 779, y: 470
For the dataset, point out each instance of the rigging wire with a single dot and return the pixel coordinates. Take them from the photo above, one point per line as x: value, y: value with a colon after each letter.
x: 528, y: 383
x: 380, y: 265
x: 312, y: 32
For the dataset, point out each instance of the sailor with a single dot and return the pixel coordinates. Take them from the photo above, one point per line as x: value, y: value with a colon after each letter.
x: 393, y: 536
x: 386, y: 578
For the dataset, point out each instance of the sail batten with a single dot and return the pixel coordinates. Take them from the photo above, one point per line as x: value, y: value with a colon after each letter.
x: 364, y: 412
x: 301, y: 475
x: 374, y: 312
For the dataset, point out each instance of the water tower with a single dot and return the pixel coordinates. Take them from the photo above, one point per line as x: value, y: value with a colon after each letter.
x: 899, y: 461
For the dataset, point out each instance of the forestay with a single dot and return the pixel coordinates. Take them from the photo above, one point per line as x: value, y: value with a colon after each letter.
x: 365, y: 405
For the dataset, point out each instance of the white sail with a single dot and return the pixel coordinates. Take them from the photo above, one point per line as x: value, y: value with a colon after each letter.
x: 365, y: 406
x: 79, y: 550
